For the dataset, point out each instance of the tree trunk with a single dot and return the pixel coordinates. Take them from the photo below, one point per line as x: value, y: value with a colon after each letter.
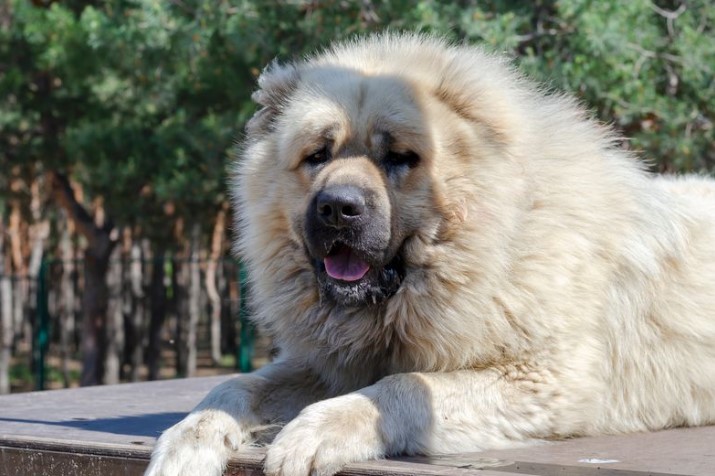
x: 180, y: 277
x: 39, y: 232
x: 100, y: 243
x: 7, y: 333
x: 212, y: 284
x: 228, y: 317
x: 194, y: 301
x: 67, y: 292
x: 135, y: 318
x: 115, y: 319
x: 234, y: 299
x: 94, y: 319
x: 157, y: 296
x: 21, y: 287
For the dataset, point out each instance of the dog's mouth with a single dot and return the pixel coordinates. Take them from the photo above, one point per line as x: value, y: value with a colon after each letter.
x: 348, y: 277
x: 344, y: 264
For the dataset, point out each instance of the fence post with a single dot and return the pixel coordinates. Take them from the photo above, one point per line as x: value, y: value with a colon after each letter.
x: 42, y: 322
x: 245, y: 347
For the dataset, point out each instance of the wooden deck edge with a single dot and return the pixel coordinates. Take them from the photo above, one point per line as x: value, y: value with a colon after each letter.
x: 25, y: 462
x: 78, y: 447
x: 21, y: 456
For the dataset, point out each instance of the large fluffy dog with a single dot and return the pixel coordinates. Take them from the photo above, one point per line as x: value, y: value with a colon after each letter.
x: 452, y: 260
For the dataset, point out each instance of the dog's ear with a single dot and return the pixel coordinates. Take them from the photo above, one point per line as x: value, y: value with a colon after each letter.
x: 275, y: 85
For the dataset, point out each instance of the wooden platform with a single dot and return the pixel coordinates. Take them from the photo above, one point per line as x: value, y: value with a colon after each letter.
x: 110, y: 431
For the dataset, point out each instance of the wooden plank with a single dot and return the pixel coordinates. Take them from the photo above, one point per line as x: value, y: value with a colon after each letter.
x: 110, y: 431
x: 49, y: 457
x: 129, y: 414
x: 38, y: 461
x: 689, y: 451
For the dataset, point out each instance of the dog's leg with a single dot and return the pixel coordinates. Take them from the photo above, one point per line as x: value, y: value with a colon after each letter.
x: 235, y: 413
x: 419, y: 413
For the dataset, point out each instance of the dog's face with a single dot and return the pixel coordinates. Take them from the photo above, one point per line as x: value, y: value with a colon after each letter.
x: 379, y: 194
x: 348, y: 228
x: 358, y: 183
x: 357, y: 148
x: 364, y: 156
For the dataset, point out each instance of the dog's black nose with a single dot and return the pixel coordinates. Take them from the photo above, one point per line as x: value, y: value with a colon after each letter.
x: 340, y: 205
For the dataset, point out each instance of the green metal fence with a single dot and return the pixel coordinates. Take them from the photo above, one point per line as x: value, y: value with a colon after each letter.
x: 43, y: 322
x: 41, y: 331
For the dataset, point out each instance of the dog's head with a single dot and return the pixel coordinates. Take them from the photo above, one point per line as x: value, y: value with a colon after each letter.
x: 354, y: 154
x: 392, y: 188
x: 356, y: 166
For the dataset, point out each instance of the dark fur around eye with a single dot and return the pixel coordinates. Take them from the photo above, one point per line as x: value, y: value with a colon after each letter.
x: 318, y: 157
x: 401, y: 159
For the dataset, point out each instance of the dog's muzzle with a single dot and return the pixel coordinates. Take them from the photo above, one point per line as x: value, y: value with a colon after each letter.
x: 348, y: 241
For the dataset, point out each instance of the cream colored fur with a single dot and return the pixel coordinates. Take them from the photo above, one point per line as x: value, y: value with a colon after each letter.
x: 553, y: 287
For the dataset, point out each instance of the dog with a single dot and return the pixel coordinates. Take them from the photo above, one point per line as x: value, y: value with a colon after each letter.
x: 451, y: 259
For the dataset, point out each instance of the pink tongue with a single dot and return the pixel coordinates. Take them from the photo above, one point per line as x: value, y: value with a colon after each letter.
x: 344, y: 265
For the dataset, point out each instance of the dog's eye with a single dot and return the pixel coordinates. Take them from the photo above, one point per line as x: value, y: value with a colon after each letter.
x: 318, y: 157
x: 402, y: 159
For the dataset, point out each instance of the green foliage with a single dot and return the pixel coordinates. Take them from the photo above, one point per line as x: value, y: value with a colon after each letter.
x: 141, y: 100
x: 647, y: 67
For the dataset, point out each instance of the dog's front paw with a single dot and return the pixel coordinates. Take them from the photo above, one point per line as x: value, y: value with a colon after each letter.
x: 325, y: 437
x: 199, y: 444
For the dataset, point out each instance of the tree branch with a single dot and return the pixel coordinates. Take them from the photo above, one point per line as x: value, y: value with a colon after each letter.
x: 99, y: 238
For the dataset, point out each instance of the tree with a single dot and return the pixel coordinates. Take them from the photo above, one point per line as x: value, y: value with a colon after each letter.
x: 137, y: 103
x: 645, y: 66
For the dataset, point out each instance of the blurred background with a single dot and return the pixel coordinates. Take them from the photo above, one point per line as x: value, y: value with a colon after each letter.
x: 117, y: 121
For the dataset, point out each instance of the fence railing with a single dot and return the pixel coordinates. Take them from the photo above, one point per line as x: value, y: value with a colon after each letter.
x: 148, y: 319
